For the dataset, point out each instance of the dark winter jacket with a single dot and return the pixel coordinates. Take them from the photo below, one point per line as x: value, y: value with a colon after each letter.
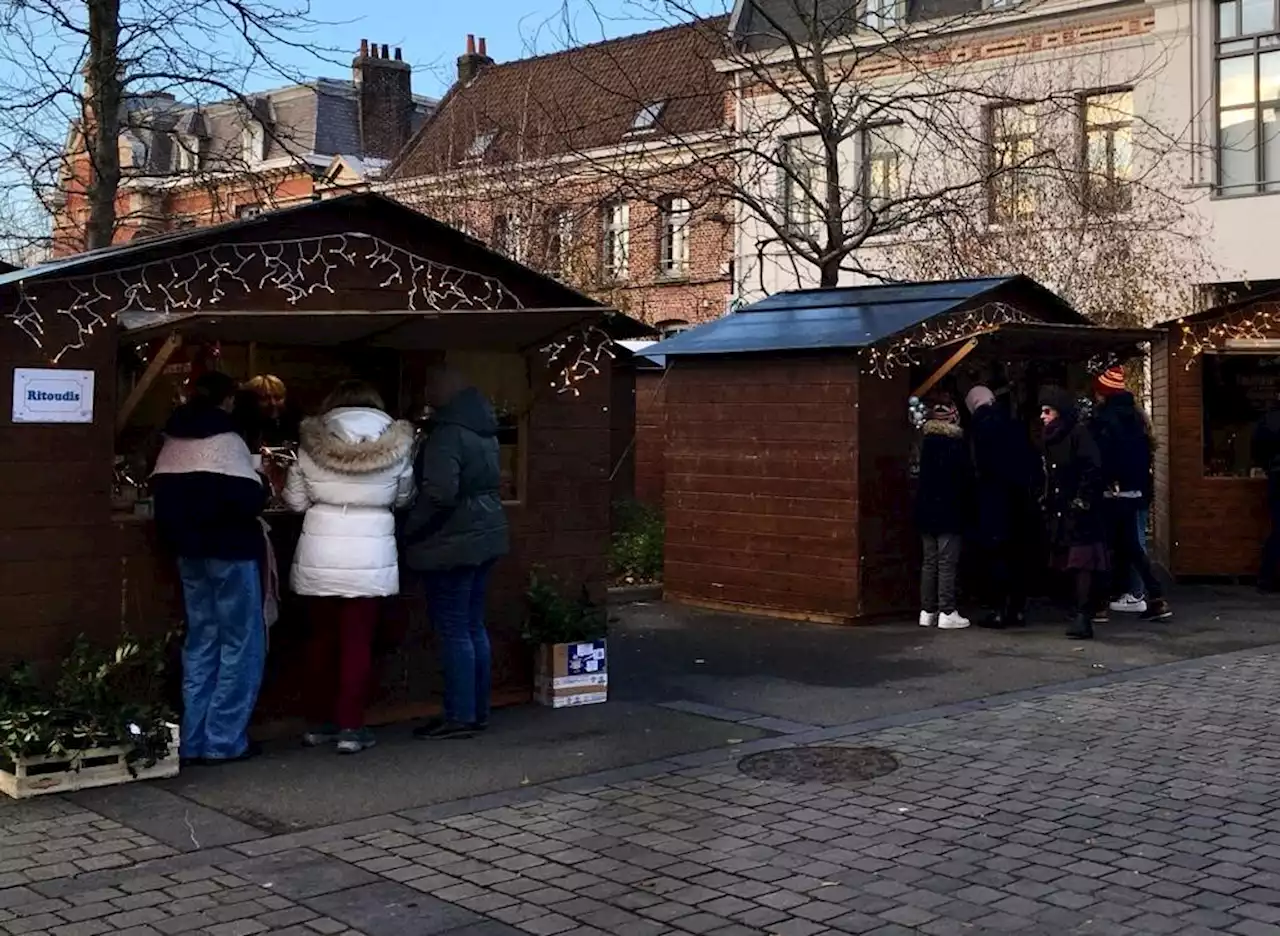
x: 1120, y: 429
x: 208, y: 497
x: 457, y: 519
x: 944, y: 495
x: 1007, y: 476
x: 1073, y: 478
x: 1266, y: 442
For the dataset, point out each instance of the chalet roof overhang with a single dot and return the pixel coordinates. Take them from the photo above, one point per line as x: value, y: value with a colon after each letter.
x: 403, y: 330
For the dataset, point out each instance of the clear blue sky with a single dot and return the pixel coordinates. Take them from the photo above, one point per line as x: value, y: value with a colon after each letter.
x: 433, y: 33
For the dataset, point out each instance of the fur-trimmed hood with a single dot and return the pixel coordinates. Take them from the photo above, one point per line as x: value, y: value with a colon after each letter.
x: 938, y: 427
x: 356, y: 440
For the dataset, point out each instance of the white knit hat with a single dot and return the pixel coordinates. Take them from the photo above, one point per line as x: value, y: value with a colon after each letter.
x: 978, y: 397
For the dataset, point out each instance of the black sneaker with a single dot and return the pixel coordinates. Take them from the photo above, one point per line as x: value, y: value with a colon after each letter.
x: 1157, y: 610
x: 1101, y: 616
x: 253, y: 750
x: 1081, y: 628
x: 444, y: 730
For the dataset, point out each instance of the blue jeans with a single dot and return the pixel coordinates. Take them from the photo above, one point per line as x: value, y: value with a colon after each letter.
x: 456, y: 603
x: 223, y: 656
x: 1136, y: 588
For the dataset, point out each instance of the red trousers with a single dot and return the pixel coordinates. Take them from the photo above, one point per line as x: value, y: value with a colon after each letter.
x: 341, y: 653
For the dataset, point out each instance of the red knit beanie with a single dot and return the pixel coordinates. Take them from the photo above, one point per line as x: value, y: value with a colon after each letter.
x: 1110, y: 382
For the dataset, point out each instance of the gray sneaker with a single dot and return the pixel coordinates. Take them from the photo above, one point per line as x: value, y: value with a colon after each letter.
x: 353, y: 742
x: 319, y: 736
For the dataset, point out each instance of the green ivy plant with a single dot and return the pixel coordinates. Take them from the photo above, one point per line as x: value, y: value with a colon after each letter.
x: 635, y: 552
x: 553, y: 618
x: 101, y: 698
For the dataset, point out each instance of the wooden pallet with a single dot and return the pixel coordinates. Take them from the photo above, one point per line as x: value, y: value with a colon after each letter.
x: 95, y: 767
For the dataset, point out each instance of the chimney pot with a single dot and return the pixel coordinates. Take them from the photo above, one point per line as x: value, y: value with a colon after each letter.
x: 398, y: 56
x: 471, y: 44
x: 386, y: 53
x: 364, y: 47
x: 482, y: 46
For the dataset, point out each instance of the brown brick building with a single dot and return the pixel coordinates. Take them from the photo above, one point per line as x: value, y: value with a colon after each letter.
x: 184, y: 166
x: 595, y: 164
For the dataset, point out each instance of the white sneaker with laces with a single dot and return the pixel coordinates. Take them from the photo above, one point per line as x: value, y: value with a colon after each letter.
x: 928, y: 619
x: 952, y: 621
x: 1128, y: 604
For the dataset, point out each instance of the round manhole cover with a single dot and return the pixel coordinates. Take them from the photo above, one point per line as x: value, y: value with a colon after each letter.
x: 820, y: 763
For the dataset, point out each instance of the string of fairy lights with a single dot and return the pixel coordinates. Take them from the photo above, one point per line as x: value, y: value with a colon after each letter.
x: 905, y: 349
x: 1258, y: 322
x: 578, y: 356
x: 229, y: 274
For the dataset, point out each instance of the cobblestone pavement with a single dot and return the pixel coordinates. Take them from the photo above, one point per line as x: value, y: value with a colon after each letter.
x: 1144, y: 805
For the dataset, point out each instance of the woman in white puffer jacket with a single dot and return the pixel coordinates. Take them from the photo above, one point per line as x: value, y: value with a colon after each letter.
x: 355, y: 466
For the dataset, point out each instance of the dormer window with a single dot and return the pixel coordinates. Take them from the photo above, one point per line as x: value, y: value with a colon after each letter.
x: 647, y: 119
x: 186, y: 153
x: 253, y: 141
x: 480, y: 144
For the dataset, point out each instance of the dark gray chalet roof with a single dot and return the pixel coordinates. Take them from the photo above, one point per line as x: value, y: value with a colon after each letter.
x: 857, y: 316
x: 771, y: 24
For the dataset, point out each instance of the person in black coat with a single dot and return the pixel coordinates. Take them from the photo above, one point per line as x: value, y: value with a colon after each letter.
x: 1125, y: 447
x: 1005, y: 532
x: 943, y: 508
x: 1266, y: 456
x: 1073, y: 504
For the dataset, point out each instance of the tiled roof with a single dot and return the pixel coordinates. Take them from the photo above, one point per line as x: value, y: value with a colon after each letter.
x: 579, y: 99
x: 321, y: 118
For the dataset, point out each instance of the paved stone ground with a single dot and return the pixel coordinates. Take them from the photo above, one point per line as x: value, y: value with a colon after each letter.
x: 1147, y: 803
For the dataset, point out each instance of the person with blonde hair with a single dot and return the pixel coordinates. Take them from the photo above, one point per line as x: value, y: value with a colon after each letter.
x: 279, y: 421
x: 355, y: 466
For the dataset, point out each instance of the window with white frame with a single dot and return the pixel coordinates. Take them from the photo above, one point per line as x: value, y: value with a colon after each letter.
x: 480, y: 144
x: 1012, y: 137
x: 253, y: 141
x: 1248, y: 85
x: 560, y: 240
x: 616, y: 239
x: 186, y: 153
x: 802, y: 171
x: 674, y: 213
x: 882, y: 147
x: 509, y: 235
x: 646, y: 118
x: 1108, y: 150
x: 879, y: 15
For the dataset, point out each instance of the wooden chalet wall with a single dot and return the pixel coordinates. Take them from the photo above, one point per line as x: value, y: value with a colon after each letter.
x: 762, y: 493
x: 1205, y: 526
x: 651, y: 436
x: 59, y: 573
x: 889, y: 547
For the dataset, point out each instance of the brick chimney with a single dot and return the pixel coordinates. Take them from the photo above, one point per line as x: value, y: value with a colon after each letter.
x: 469, y: 65
x: 384, y: 86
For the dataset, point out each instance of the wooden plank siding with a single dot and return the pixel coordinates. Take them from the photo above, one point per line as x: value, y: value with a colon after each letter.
x: 1161, y: 519
x: 889, y: 546
x: 651, y: 436
x: 1211, y: 527
x: 762, y: 485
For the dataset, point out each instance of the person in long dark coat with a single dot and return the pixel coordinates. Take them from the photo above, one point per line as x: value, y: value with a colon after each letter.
x: 1073, y: 505
x: 1005, y: 531
x: 943, y: 508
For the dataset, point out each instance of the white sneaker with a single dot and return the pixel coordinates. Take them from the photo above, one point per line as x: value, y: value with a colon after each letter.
x: 928, y: 619
x: 1128, y: 604
x: 952, y: 621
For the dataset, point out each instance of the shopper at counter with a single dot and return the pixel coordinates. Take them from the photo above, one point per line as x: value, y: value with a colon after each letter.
x: 453, y: 535
x: 208, y: 499
x: 355, y: 464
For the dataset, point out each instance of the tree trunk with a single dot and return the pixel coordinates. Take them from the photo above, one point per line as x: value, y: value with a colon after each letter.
x: 829, y: 273
x: 102, y: 99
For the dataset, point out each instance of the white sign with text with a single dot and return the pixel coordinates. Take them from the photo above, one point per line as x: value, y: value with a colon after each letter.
x: 48, y: 395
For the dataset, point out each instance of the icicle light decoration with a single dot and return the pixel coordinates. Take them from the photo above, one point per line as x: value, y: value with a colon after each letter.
x: 578, y: 356
x: 902, y: 350
x: 229, y: 275
x: 1257, y: 322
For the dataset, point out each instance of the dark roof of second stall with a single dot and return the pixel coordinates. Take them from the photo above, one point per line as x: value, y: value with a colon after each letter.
x: 856, y: 316
x: 1227, y: 308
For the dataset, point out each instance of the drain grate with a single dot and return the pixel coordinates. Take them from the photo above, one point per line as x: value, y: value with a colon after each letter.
x: 820, y: 763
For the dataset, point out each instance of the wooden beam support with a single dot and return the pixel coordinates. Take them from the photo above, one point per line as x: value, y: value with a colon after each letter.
x: 947, y: 367
x: 156, y: 365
